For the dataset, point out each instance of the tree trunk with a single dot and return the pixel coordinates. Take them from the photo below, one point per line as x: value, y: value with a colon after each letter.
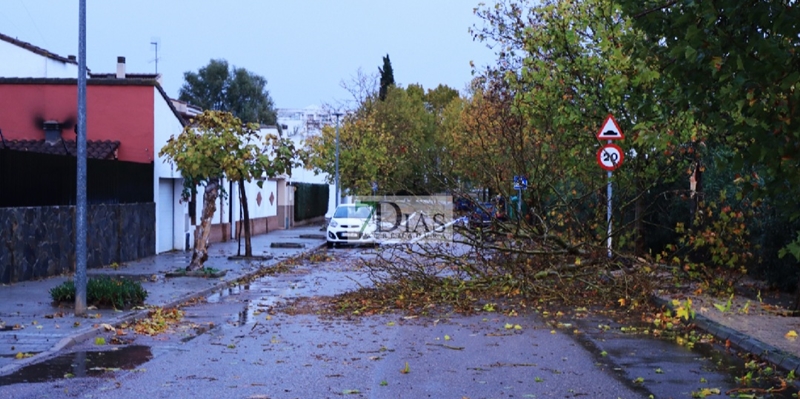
x: 200, y: 251
x: 639, y: 209
x: 639, y: 248
x: 248, y: 249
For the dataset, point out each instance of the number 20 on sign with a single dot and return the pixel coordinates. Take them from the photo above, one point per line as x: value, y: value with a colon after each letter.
x: 610, y: 157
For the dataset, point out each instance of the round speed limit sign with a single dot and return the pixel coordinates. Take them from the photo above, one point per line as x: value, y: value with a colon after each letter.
x: 610, y: 157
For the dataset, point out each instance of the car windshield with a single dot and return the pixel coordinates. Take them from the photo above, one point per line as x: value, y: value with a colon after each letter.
x: 353, y: 212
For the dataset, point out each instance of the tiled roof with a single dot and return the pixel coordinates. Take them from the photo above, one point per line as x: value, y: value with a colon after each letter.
x: 105, y: 149
x: 37, y: 50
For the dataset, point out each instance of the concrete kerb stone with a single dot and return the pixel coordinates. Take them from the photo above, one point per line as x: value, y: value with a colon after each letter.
x: 785, y: 361
x: 86, y: 334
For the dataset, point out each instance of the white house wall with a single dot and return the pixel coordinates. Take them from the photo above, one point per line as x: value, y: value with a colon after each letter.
x: 265, y: 209
x: 165, y: 124
x: 22, y: 63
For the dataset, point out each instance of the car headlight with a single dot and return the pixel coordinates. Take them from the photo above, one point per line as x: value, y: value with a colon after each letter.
x: 333, y: 224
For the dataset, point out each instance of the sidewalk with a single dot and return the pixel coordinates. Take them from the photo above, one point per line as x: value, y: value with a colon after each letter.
x: 31, y: 324
x: 748, y: 325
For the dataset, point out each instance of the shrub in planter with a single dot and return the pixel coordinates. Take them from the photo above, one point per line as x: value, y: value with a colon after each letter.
x: 103, y: 291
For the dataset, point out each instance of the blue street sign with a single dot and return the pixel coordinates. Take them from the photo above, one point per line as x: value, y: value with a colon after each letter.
x: 520, y: 182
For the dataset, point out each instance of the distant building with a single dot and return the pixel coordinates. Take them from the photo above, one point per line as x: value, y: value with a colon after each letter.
x: 303, y: 122
x: 186, y: 110
x: 300, y: 124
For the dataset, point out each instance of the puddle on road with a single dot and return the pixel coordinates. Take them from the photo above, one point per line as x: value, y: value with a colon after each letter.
x: 80, y: 364
x: 307, y: 280
x: 227, y: 292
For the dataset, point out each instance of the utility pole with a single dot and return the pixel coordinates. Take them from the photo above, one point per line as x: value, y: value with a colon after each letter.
x: 80, y: 196
x: 337, y: 115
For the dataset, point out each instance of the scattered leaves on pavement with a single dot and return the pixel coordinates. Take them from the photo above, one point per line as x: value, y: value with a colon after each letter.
x: 159, y: 320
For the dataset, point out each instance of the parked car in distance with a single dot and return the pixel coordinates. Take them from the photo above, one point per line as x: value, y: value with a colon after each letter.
x: 481, y: 215
x: 463, y: 204
x: 352, y: 224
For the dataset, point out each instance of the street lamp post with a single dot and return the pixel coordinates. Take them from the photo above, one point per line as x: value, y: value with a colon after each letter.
x: 80, y: 278
x: 337, y: 115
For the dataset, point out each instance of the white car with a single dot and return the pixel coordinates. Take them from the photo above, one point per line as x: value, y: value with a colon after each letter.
x: 352, y: 224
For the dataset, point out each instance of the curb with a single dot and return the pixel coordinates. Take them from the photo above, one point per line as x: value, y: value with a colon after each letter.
x: 781, y: 359
x: 82, y: 336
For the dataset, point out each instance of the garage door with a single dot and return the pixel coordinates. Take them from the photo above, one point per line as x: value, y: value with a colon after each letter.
x: 164, y: 218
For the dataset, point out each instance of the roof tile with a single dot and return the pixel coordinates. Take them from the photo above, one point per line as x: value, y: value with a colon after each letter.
x: 96, y: 149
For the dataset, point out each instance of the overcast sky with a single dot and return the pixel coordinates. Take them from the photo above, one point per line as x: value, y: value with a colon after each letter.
x: 304, y: 48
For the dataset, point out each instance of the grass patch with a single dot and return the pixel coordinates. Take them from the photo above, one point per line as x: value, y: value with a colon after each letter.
x: 203, y: 272
x: 103, y: 291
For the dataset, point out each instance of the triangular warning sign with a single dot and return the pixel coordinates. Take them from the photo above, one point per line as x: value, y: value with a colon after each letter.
x: 610, y: 130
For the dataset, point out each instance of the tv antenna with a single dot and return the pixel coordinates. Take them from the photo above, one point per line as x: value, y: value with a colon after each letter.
x: 155, y: 42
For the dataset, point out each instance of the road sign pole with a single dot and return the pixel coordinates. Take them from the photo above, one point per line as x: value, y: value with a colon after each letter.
x: 610, y: 157
x: 608, y: 216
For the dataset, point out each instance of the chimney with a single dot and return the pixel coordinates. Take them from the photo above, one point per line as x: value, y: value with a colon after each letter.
x: 120, y: 67
x: 52, y: 132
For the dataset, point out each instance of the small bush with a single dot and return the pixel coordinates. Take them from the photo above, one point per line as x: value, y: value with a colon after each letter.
x: 103, y: 291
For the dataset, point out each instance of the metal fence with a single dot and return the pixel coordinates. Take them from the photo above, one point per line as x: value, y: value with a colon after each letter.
x: 35, y: 179
x: 310, y: 200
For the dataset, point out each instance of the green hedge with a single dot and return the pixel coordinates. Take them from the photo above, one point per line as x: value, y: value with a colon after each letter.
x: 104, y: 291
x: 310, y: 200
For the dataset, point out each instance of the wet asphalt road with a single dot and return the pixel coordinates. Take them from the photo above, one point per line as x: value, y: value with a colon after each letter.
x: 232, y: 347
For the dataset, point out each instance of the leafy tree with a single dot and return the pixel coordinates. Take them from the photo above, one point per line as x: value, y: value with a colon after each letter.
x: 436, y: 100
x: 395, y: 142
x: 218, y: 144
x: 735, y: 67
x: 562, y: 68
x: 219, y: 87
x: 387, y: 77
x: 238, y: 91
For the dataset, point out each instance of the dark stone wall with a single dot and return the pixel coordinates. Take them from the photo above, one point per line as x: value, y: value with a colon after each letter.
x: 39, y: 242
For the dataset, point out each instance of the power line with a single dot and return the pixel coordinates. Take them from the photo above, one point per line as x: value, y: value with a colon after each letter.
x: 34, y: 24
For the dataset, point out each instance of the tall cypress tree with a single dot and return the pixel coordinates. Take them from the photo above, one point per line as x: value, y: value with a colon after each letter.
x: 387, y: 77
